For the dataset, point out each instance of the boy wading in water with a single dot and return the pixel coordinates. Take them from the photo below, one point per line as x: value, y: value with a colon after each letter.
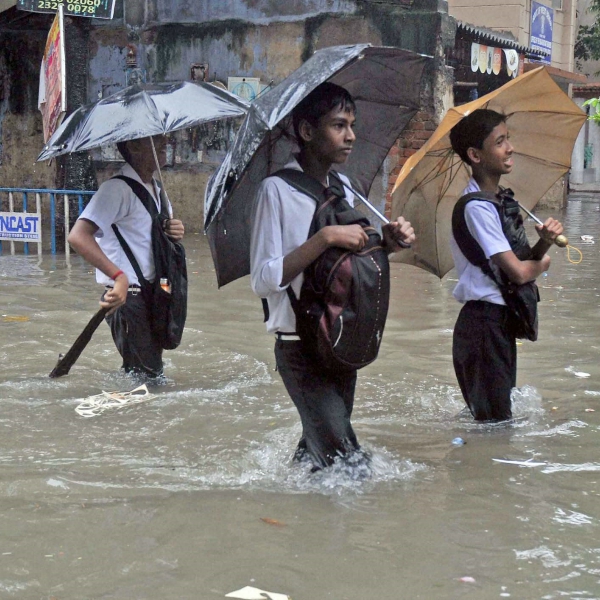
x: 484, y: 347
x: 280, y: 252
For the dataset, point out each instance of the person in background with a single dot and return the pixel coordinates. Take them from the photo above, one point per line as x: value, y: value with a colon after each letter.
x: 94, y: 239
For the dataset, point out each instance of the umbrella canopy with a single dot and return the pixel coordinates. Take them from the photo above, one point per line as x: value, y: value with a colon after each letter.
x: 140, y: 111
x: 386, y: 86
x: 543, y: 123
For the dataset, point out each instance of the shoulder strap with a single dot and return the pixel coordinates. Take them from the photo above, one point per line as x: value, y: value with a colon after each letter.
x: 303, y: 182
x: 130, y: 256
x: 146, y: 199
x: 310, y: 186
x: 142, y: 193
x: 465, y: 241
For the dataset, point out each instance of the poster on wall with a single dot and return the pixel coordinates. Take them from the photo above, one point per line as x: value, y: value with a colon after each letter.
x: 542, y: 25
x: 52, y: 99
x: 247, y: 88
x: 98, y: 9
x: 474, y: 57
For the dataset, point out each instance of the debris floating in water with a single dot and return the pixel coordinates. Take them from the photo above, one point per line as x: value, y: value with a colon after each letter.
x: 467, y: 579
x: 252, y: 593
x: 521, y: 463
x: 458, y: 441
x: 274, y: 522
x: 14, y: 318
x: 587, y: 238
x: 581, y: 374
x: 96, y: 405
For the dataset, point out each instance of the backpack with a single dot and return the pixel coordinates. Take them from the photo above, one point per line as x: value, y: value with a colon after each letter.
x: 521, y: 300
x: 343, y: 303
x: 167, y: 311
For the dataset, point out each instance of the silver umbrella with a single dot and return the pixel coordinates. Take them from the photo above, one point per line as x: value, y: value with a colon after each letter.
x: 141, y: 111
x: 386, y: 86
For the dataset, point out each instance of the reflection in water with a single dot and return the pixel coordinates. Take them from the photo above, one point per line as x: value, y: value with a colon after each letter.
x: 170, y: 493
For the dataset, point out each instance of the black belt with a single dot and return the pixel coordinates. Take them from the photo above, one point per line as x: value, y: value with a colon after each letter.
x: 487, y: 308
x: 134, y: 290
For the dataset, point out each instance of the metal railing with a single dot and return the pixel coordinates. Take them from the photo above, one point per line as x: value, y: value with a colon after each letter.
x: 55, y: 198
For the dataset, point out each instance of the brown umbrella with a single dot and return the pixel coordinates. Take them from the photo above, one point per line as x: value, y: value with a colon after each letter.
x: 543, y: 123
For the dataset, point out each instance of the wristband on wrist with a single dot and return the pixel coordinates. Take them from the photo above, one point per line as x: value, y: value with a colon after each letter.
x: 117, y: 274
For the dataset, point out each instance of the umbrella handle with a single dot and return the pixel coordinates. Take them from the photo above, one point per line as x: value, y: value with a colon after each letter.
x: 376, y: 212
x: 561, y: 240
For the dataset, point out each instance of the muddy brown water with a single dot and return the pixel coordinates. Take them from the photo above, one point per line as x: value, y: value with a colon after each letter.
x: 191, y: 495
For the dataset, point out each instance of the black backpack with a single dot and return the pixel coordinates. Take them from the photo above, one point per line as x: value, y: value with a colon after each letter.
x: 167, y: 311
x: 343, y: 303
x: 521, y: 300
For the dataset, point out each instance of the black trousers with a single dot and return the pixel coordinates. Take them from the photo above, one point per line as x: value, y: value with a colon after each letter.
x: 485, y: 359
x: 324, y: 401
x: 133, y: 337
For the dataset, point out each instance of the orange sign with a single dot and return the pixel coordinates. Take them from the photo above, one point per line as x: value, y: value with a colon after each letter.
x: 497, y: 61
x: 53, y: 96
x: 483, y: 58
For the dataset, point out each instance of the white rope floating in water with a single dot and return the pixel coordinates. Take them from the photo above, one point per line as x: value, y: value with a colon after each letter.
x: 96, y: 405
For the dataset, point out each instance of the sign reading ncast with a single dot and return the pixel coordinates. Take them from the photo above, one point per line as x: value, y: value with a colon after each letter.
x: 21, y: 226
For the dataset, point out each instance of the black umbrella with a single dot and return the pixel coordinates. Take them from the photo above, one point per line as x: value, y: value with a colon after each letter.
x: 141, y: 111
x: 386, y: 86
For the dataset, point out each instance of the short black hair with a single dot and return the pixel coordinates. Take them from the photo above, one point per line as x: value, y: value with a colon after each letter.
x: 472, y: 131
x: 124, y: 151
x: 323, y: 99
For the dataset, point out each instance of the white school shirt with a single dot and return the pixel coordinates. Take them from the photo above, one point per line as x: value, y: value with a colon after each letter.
x: 115, y: 202
x: 282, y: 218
x: 484, y: 225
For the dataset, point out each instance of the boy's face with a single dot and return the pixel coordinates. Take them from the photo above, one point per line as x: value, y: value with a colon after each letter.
x: 495, y: 158
x: 331, y: 141
x: 141, y: 150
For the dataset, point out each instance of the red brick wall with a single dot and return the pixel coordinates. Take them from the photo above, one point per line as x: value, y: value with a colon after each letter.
x: 417, y: 132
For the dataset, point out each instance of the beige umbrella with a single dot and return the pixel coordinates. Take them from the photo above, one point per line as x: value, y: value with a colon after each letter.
x: 543, y: 123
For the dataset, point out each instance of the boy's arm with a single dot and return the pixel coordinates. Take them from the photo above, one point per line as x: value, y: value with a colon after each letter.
x: 84, y: 243
x: 349, y: 237
x: 520, y: 271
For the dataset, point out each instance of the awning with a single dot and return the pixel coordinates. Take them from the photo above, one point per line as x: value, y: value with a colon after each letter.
x: 493, y: 38
x: 562, y: 77
x: 586, y: 90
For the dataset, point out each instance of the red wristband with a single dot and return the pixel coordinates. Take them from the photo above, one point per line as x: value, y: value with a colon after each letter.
x: 117, y: 274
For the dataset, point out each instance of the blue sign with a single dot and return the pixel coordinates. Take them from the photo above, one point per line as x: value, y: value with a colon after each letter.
x: 542, y: 25
x: 23, y: 227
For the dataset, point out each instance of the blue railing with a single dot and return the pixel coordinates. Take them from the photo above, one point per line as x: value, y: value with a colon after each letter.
x: 9, y: 199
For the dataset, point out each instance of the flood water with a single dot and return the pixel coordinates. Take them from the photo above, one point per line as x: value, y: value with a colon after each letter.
x: 191, y: 495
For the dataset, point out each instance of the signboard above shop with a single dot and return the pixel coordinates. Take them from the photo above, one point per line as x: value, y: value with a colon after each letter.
x: 542, y: 24
x: 97, y: 9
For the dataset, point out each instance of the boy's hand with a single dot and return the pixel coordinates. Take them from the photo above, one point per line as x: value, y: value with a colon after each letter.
x: 550, y: 230
x: 398, y: 234
x: 117, y: 296
x: 349, y: 237
x: 174, y: 229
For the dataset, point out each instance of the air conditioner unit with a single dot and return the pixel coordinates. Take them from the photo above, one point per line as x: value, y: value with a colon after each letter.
x: 557, y: 4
